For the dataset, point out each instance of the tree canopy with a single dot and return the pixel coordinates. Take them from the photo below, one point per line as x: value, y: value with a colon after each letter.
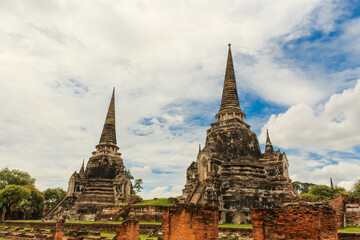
x: 52, y: 196
x: 15, y: 177
x: 301, y: 187
x: 137, y: 184
x: 12, y: 195
x: 323, y: 191
x: 356, y: 190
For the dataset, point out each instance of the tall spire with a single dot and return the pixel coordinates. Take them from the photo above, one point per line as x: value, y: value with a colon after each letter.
x: 82, y: 169
x: 108, y: 135
x: 269, y: 147
x: 331, y: 183
x: 230, y: 107
x: 230, y: 97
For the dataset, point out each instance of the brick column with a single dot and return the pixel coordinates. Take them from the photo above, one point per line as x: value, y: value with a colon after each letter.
x: 190, y: 222
x: 257, y: 216
x: 128, y: 230
x: 59, y: 234
x: 298, y: 220
x: 339, y: 205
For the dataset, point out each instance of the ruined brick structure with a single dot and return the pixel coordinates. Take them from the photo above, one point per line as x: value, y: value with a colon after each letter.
x: 190, y: 222
x: 230, y: 171
x: 59, y: 231
x: 339, y: 205
x: 102, y: 184
x: 352, y: 214
x: 347, y: 210
x: 298, y: 220
x: 128, y: 230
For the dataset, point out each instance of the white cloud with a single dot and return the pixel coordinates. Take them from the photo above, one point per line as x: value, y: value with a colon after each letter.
x: 304, y: 168
x: 322, y: 130
x: 140, y: 171
x: 60, y: 59
x: 163, y: 192
x: 331, y: 127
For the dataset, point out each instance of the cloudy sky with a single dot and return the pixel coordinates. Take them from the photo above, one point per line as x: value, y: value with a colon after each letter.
x: 297, y: 65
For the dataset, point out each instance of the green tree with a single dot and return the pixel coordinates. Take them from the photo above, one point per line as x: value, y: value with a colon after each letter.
x: 15, y: 177
x: 12, y: 195
x: 128, y: 174
x: 301, y: 187
x: 32, y: 207
x: 356, y: 190
x: 138, y: 185
x: 9, y: 179
x: 53, y: 196
x: 323, y: 191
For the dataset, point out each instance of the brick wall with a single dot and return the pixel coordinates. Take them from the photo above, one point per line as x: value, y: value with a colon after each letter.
x: 295, y: 221
x: 352, y: 214
x: 93, y: 227
x: 147, y: 213
x: 128, y: 230
x: 190, y: 222
x: 348, y: 236
x: 59, y: 234
x: 339, y: 205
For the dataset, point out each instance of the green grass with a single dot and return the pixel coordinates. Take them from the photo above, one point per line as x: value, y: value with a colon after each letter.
x: 144, y: 237
x: 26, y: 221
x: 350, y: 229
x: 157, y: 202
x: 236, y: 225
x: 108, y: 235
x: 92, y: 222
x: 150, y: 223
x: 141, y: 236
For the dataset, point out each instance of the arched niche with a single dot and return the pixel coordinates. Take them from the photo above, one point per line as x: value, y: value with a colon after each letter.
x: 127, y: 190
x: 204, y: 169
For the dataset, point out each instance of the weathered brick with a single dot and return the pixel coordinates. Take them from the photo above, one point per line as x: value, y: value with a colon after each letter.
x: 128, y: 230
x: 295, y: 221
x: 190, y: 222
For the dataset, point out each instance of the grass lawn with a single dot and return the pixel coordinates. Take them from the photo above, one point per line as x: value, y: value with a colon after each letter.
x: 157, y: 202
x: 236, y: 225
x: 150, y: 223
x: 141, y: 236
x: 350, y: 229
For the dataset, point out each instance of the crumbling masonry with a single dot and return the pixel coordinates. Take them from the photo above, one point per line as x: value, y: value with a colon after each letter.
x: 102, y: 184
x: 230, y: 171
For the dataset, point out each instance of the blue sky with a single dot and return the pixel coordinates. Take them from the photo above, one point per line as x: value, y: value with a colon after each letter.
x: 297, y: 68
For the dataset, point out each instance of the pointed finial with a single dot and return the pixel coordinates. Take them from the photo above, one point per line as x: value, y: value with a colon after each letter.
x: 268, y: 147
x: 199, y: 147
x: 331, y: 183
x: 108, y: 134
x: 230, y: 105
x: 82, y: 169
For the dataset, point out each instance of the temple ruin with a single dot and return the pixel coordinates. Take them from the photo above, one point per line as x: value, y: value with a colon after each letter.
x: 102, y: 184
x: 230, y: 171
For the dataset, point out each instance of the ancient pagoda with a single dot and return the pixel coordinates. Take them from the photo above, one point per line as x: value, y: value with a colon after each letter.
x: 102, y: 184
x: 230, y: 171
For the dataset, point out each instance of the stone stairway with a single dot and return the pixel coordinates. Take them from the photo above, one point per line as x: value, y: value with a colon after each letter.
x: 98, y: 191
x: 196, y: 195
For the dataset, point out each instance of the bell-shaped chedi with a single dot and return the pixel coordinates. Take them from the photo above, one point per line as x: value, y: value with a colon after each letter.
x: 230, y: 106
x: 102, y: 184
x: 230, y: 171
x: 106, y: 161
x: 234, y: 139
